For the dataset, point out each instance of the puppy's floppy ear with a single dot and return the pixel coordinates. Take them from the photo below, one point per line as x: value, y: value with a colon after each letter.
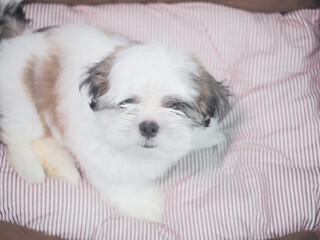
x: 213, y: 96
x: 97, y: 81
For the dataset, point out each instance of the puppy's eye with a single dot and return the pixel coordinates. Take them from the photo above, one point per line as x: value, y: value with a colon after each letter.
x: 128, y: 101
x: 174, y: 106
x: 207, y: 121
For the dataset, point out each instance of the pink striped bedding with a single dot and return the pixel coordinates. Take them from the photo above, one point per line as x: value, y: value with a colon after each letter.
x: 263, y: 182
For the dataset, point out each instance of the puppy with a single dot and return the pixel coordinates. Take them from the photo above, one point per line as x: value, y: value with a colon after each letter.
x: 125, y: 111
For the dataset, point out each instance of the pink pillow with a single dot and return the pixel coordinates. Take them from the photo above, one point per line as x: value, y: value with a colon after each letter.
x: 264, y: 182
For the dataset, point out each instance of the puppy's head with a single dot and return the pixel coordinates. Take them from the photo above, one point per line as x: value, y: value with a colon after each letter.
x: 147, y: 99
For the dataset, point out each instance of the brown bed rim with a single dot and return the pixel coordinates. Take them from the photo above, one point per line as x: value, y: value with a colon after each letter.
x: 250, y: 5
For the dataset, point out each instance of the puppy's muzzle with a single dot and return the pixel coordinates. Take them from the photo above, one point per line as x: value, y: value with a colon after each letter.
x: 149, y: 129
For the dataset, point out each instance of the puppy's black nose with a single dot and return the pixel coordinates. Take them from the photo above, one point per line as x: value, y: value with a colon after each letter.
x: 148, y: 129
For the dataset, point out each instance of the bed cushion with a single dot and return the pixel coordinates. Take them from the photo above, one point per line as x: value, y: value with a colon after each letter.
x: 263, y: 182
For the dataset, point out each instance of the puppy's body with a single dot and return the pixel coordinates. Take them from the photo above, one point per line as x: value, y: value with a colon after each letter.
x: 127, y: 112
x: 38, y: 97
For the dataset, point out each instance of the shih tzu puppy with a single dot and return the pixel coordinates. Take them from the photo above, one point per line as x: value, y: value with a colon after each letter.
x: 125, y: 111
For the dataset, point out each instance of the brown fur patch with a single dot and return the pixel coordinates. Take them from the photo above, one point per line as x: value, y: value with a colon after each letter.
x: 42, y: 89
x: 97, y: 79
x: 29, y: 79
x: 213, y: 97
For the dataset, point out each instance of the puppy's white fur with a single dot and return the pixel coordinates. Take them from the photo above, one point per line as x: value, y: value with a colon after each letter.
x: 55, y: 67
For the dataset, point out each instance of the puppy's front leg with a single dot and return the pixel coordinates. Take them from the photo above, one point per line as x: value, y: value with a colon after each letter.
x: 139, y: 199
x: 56, y: 160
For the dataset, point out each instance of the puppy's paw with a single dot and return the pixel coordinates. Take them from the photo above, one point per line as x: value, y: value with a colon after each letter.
x: 26, y: 163
x: 69, y: 173
x: 147, y: 206
x: 56, y: 161
x: 145, y: 203
x: 33, y: 173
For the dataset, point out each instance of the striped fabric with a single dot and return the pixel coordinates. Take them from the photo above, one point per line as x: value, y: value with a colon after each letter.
x: 263, y: 182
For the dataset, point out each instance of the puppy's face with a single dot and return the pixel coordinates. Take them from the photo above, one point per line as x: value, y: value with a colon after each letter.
x: 148, y: 99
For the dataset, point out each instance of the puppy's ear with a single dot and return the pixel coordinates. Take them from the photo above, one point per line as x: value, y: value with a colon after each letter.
x: 213, y: 96
x: 97, y: 81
